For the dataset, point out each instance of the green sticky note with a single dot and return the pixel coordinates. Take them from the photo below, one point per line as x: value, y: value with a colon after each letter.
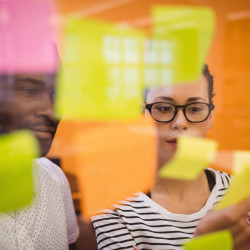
x: 221, y: 240
x: 192, y: 155
x: 182, y: 36
x: 101, y: 77
x: 240, y: 187
x: 16, y: 180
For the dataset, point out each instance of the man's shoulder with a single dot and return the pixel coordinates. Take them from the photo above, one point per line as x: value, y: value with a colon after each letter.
x: 45, y: 167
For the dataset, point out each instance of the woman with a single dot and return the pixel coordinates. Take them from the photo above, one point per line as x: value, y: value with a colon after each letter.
x: 168, y: 217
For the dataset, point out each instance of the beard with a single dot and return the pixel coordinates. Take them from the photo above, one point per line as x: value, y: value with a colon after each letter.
x: 52, y: 125
x: 10, y: 122
x: 6, y: 120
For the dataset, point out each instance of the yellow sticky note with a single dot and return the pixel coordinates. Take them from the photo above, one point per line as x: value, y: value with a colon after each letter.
x: 181, y: 39
x: 16, y: 180
x: 193, y: 154
x: 241, y: 159
x: 240, y: 187
x: 101, y: 77
x: 221, y: 240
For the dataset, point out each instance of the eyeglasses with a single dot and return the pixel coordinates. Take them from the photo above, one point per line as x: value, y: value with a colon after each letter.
x: 194, y: 112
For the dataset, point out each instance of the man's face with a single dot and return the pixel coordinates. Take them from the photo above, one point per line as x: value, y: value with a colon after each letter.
x: 27, y: 103
x: 179, y: 126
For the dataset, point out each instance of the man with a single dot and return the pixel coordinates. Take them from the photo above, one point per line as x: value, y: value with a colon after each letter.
x: 49, y: 222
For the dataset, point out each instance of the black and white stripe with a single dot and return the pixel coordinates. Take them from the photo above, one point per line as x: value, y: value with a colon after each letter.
x: 139, y: 221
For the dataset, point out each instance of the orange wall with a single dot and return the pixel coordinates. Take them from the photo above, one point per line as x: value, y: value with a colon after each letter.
x: 229, y: 57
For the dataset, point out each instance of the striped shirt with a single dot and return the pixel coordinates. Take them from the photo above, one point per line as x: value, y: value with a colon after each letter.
x: 139, y: 221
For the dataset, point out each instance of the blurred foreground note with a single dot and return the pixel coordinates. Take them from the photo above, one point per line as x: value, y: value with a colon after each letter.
x: 221, y: 240
x: 240, y: 187
x: 114, y: 160
x: 181, y: 40
x: 26, y: 37
x: 102, y: 71
x: 17, y: 150
x: 192, y: 156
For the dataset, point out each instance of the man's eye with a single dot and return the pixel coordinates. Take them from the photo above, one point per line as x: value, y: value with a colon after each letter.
x: 28, y: 91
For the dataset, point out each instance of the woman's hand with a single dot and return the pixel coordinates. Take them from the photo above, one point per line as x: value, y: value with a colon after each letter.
x: 234, y: 219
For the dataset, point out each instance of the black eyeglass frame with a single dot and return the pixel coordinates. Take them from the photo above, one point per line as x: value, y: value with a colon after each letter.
x: 183, y: 107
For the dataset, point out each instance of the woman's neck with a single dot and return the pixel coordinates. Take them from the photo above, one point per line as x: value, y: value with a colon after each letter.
x: 181, y: 196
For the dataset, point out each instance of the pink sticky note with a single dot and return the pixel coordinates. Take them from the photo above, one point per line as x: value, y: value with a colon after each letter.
x: 26, y: 37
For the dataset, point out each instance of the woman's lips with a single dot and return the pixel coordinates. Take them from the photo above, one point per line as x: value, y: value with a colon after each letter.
x: 173, y: 142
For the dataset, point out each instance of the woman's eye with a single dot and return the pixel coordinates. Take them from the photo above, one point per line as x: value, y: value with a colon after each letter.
x: 164, y: 109
x: 195, y: 109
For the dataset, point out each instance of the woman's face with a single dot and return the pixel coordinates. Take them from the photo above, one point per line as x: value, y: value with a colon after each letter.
x: 179, y: 126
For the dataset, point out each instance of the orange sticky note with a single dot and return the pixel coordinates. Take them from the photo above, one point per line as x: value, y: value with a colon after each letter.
x: 113, y: 160
x: 223, y: 161
x: 62, y: 143
x: 68, y: 7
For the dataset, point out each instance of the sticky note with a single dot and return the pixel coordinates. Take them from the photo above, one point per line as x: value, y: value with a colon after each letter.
x: 219, y: 240
x: 26, y: 37
x: 16, y: 180
x: 101, y: 77
x: 240, y: 187
x: 62, y: 142
x: 223, y: 161
x: 192, y: 155
x: 241, y: 160
x: 111, y: 161
x: 77, y: 6
x: 180, y: 42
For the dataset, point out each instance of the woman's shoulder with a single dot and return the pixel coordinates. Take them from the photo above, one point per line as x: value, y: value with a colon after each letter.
x: 130, y: 204
x: 222, y: 178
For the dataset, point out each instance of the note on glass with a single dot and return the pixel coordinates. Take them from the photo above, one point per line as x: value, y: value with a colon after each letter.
x: 77, y: 7
x: 216, y: 241
x: 181, y: 39
x: 16, y: 180
x: 223, y: 161
x: 102, y: 71
x: 112, y: 161
x: 240, y: 187
x: 26, y: 37
x: 192, y: 155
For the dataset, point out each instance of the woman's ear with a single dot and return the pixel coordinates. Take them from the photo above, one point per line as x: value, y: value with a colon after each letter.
x: 211, y: 120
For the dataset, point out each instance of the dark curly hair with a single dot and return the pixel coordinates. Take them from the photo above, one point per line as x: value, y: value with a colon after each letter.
x: 210, y: 80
